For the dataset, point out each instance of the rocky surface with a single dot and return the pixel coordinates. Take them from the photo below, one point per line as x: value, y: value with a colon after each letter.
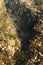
x: 21, y: 32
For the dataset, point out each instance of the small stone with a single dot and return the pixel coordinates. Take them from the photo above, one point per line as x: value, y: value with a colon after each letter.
x: 38, y: 60
x: 35, y: 57
x: 0, y: 45
x: 39, y: 45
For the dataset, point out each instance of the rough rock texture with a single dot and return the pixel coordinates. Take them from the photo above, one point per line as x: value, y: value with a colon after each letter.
x: 21, y: 32
x: 9, y: 41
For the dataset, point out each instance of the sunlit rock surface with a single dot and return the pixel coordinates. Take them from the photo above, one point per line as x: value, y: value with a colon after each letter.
x: 10, y: 41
